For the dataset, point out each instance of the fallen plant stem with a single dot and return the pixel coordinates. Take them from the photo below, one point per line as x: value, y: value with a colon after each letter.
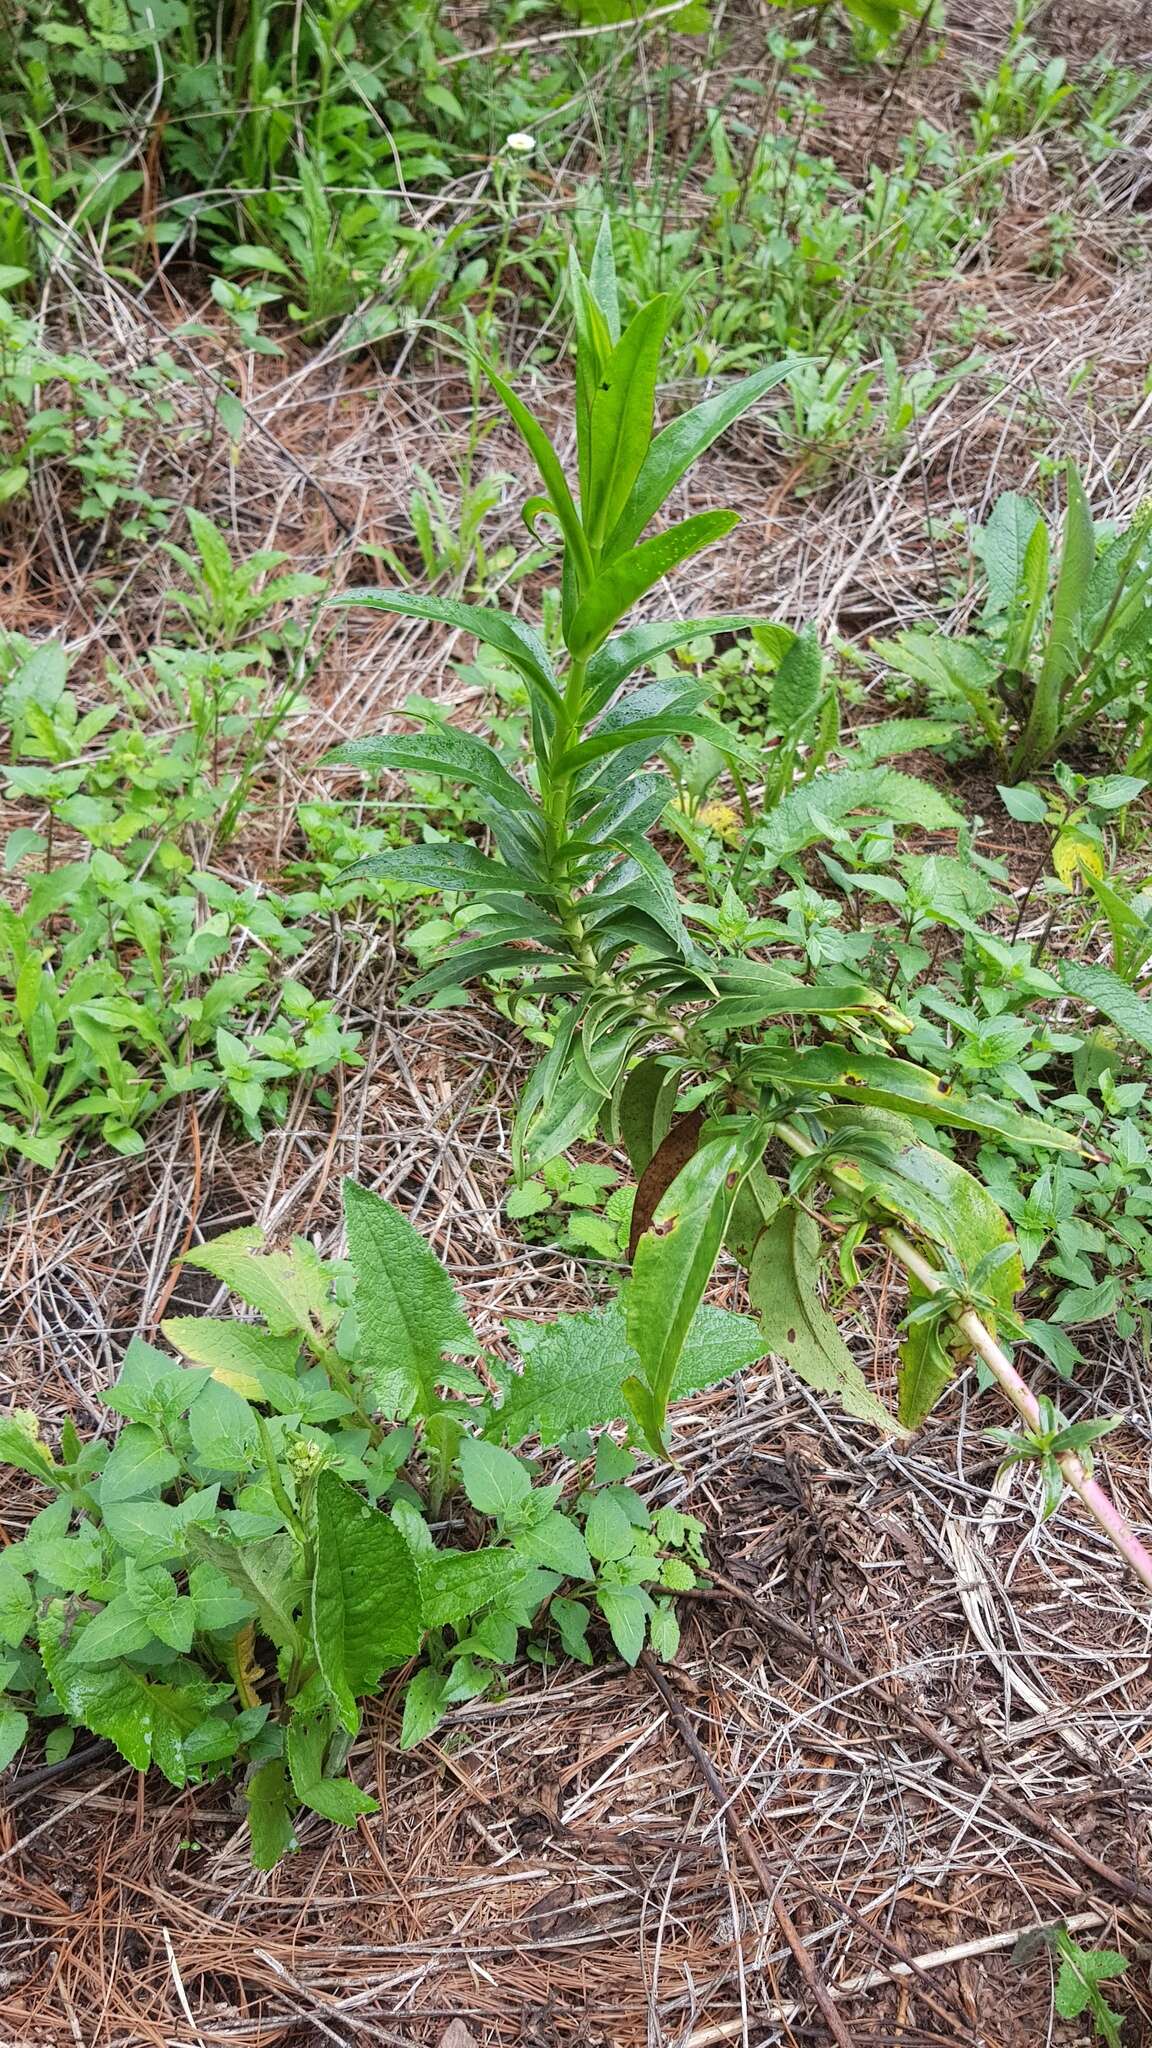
x: 1100, y: 1506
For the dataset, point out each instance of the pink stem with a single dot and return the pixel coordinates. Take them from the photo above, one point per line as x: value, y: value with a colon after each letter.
x: 1100, y: 1507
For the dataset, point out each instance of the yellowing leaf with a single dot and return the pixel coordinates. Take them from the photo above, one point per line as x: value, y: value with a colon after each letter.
x: 1073, y: 851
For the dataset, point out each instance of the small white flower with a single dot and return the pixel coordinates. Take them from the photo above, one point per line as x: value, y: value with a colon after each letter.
x: 519, y: 143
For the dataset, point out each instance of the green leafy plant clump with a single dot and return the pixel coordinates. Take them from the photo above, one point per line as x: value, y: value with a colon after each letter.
x: 303, y: 1501
x: 715, y: 1069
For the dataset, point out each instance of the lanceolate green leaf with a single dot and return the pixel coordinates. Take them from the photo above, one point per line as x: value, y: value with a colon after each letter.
x: 519, y: 645
x: 676, y: 448
x: 448, y: 866
x: 783, y: 1289
x: 926, y: 1369
x: 365, y: 1597
x: 644, y: 1111
x: 1060, y: 657
x: 621, y: 417
x: 619, y: 657
x: 897, y: 1084
x: 548, y: 463
x: 673, y: 1263
x: 936, y: 1195
x: 442, y: 751
x: 602, y: 279
x: 616, y: 589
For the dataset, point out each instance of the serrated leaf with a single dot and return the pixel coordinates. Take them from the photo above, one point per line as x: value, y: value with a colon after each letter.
x: 270, y: 1811
x: 365, y: 1596
x: 574, y: 1368
x: 424, y: 1706
x: 147, y: 1720
x: 608, y: 1531
x: 17, y: 1603
x: 782, y: 1288
x: 139, y: 1464
x: 457, y: 1583
x: 1105, y: 991
x: 408, y: 1312
x: 494, y: 1481
x: 291, y: 1289
x: 21, y: 1444
x: 250, y: 1361
x: 556, y: 1543
x: 626, y: 1610
x: 13, y: 1730
x: 818, y: 809
x: 264, y: 1572
x: 141, y: 1373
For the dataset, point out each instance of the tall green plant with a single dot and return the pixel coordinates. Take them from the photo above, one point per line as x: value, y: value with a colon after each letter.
x: 581, y: 906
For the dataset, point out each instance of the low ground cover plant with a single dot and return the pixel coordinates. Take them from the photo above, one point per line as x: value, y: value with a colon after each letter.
x: 326, y: 1492
x: 1056, y: 657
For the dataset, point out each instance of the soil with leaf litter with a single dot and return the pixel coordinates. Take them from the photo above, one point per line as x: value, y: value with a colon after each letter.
x: 904, y: 1705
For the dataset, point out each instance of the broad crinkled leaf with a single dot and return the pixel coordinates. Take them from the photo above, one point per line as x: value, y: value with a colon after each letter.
x: 265, y: 1572
x: 270, y: 1811
x: 782, y: 1288
x: 306, y: 1743
x: 21, y: 1444
x: 1131, y: 1014
x: 139, y: 1464
x: 1002, y: 544
x: 457, y: 1583
x: 291, y: 1289
x: 573, y: 1369
x: 365, y: 1596
x: 408, y: 1312
x: 820, y: 808
x: 249, y: 1360
x: 147, y: 1719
